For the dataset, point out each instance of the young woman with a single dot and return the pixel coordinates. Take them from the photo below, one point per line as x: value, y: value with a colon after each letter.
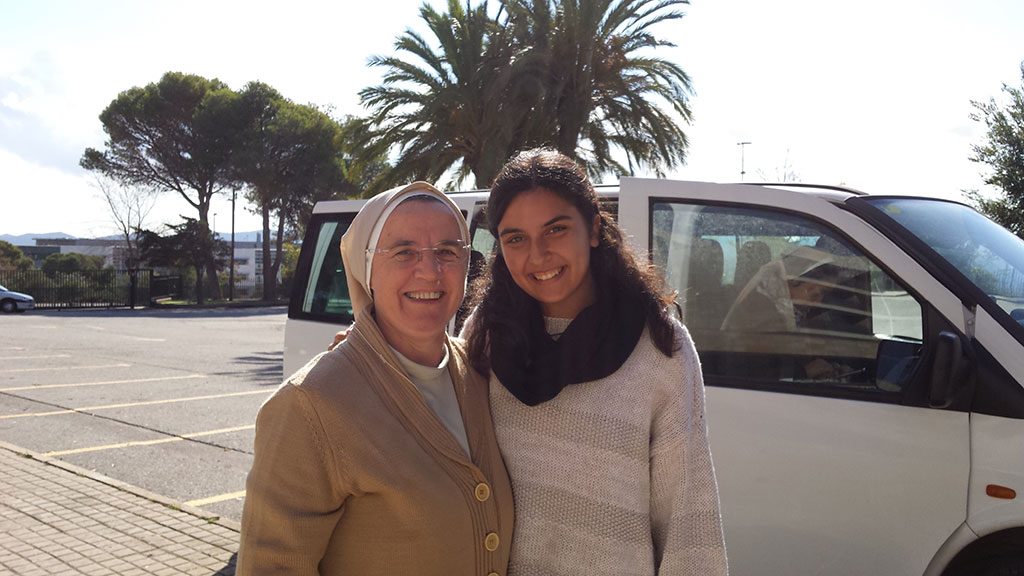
x: 379, y: 457
x: 596, y: 391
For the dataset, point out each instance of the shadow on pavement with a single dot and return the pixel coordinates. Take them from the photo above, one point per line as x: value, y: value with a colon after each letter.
x: 266, y: 368
x: 229, y: 569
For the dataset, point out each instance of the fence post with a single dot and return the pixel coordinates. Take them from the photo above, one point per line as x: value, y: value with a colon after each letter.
x: 132, y: 281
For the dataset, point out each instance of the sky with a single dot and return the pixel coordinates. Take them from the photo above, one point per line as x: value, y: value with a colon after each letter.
x: 875, y: 95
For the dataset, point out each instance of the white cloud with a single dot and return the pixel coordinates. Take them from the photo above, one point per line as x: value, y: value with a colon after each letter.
x: 40, y: 199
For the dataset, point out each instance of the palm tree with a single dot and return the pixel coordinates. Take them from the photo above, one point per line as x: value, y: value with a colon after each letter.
x: 443, y: 110
x: 577, y: 75
x: 601, y: 86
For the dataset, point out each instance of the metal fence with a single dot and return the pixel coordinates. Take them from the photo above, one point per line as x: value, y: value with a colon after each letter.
x: 116, y: 288
x: 84, y: 289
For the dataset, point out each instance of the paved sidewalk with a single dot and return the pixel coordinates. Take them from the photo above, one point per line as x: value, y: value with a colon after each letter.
x: 56, y: 518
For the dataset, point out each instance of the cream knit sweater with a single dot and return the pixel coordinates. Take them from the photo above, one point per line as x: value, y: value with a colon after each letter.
x: 614, y: 476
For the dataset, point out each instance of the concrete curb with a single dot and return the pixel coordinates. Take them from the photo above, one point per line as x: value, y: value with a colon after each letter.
x: 237, y: 304
x: 123, y: 486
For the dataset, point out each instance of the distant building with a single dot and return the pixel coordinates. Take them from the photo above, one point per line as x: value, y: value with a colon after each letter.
x: 112, y: 251
x: 38, y: 253
x: 248, y: 254
x: 249, y: 260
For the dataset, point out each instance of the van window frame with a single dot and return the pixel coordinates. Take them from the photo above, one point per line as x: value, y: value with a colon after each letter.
x: 303, y: 268
x: 915, y: 389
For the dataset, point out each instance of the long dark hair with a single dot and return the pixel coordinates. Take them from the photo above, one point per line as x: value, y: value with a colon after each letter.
x: 501, y: 305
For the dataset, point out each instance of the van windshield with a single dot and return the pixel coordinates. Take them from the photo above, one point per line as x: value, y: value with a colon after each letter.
x: 989, y: 255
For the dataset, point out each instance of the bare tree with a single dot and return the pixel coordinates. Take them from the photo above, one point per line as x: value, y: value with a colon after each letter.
x: 783, y: 174
x: 129, y: 208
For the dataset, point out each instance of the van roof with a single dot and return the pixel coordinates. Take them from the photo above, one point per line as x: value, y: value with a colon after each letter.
x: 831, y: 193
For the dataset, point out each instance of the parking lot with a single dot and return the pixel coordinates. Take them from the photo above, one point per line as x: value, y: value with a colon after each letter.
x: 165, y: 400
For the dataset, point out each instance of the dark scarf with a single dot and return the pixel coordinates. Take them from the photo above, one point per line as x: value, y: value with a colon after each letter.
x: 536, y: 367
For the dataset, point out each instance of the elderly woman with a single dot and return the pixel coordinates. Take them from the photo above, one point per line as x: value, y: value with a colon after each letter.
x: 379, y: 457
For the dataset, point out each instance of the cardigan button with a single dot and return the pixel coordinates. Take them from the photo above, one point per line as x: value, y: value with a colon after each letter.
x: 493, y: 574
x: 491, y: 542
x: 482, y: 492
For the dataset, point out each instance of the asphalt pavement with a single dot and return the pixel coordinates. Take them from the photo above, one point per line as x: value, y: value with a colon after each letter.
x: 163, y: 400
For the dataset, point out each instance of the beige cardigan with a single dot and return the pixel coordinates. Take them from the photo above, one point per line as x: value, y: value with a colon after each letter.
x: 354, y: 474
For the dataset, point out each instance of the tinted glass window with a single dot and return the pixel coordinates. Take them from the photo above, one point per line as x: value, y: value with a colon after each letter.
x: 771, y: 297
x: 990, y: 256
x: 483, y: 241
x: 326, y: 294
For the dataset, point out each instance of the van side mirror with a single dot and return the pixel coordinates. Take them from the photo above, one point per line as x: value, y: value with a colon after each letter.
x: 895, y: 363
x: 950, y: 370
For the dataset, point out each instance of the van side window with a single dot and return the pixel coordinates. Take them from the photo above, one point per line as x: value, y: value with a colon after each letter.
x: 326, y: 295
x: 483, y: 241
x: 779, y: 301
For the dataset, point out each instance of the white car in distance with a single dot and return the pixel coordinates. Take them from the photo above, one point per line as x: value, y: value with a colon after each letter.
x: 11, y: 301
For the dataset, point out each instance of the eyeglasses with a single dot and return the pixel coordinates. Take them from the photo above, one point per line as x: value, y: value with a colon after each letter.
x: 444, y: 254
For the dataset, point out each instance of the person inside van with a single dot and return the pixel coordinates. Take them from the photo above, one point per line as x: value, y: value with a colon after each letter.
x: 784, y: 294
x: 596, y: 390
x: 788, y: 295
x: 380, y: 457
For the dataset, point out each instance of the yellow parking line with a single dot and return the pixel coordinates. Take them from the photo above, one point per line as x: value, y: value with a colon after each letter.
x: 65, y: 368
x: 181, y: 438
x: 131, y: 405
x: 83, y: 384
x: 214, y: 499
x: 35, y: 357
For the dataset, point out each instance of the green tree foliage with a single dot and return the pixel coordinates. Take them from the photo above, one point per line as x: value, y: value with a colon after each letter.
x: 578, y: 75
x: 362, y: 164
x: 1003, y: 153
x: 291, y: 158
x: 71, y: 262
x: 289, y: 264
x: 175, y: 135
x: 197, y: 137
x: 188, y: 244
x: 12, y: 258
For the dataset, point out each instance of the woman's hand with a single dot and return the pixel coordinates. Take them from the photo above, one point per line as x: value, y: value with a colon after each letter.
x: 338, y: 339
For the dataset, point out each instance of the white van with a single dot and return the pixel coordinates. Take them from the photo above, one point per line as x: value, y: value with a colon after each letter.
x: 875, y: 429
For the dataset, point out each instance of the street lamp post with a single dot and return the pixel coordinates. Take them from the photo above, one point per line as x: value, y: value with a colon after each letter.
x: 743, y: 147
x: 231, y: 270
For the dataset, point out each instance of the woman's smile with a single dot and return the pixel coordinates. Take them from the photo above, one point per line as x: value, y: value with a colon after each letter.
x: 548, y: 275
x: 424, y: 296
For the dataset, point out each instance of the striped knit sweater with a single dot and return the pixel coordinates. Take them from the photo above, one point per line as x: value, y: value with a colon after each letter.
x: 614, y: 476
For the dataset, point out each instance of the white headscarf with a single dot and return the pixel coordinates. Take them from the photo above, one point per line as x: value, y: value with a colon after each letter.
x: 364, y: 232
